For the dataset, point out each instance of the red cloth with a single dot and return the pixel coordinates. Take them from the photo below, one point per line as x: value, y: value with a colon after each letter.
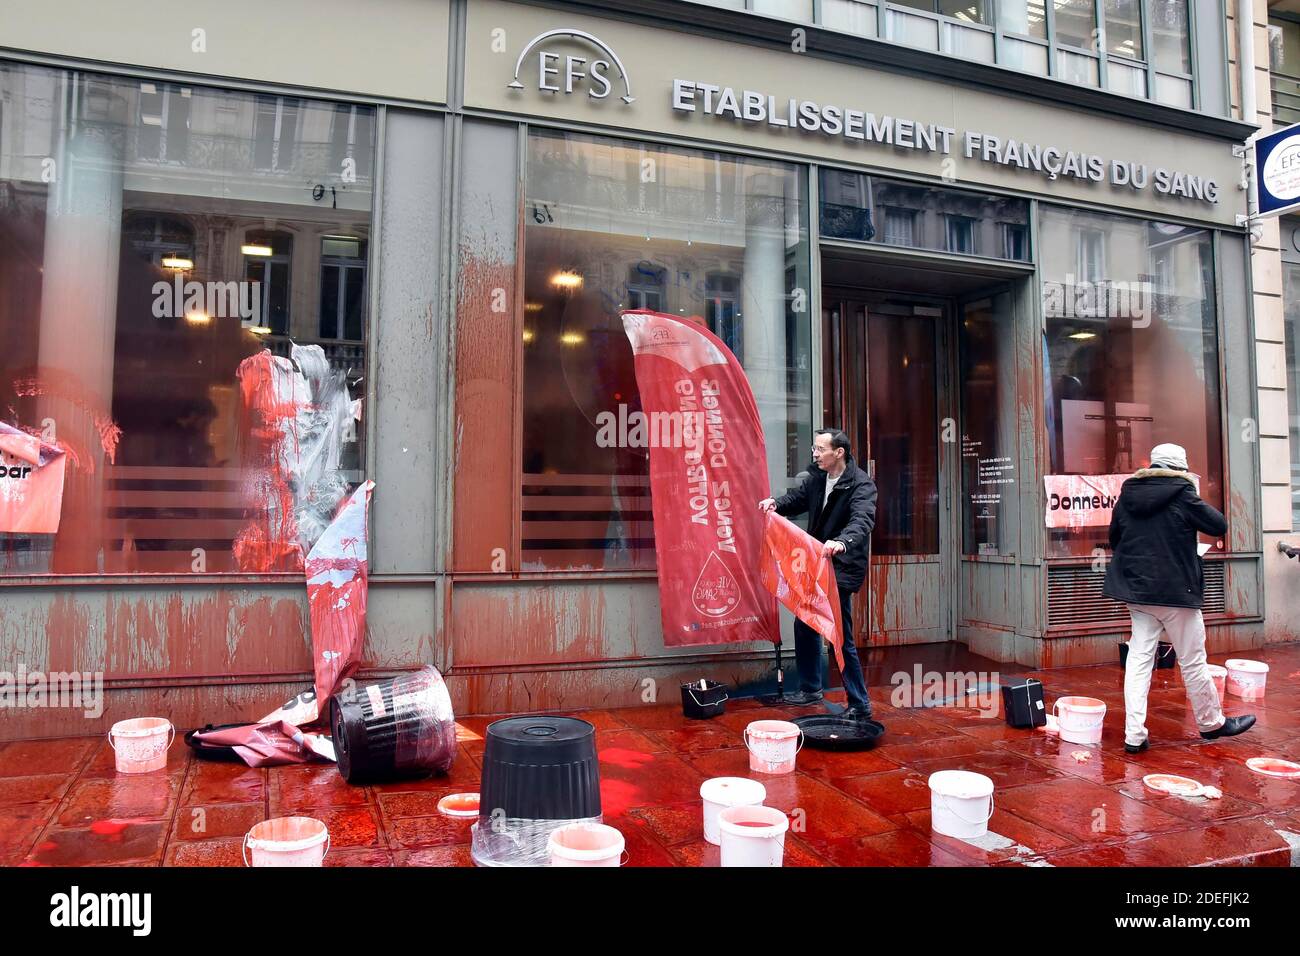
x: 802, y: 577
x: 703, y: 487
x: 263, y: 745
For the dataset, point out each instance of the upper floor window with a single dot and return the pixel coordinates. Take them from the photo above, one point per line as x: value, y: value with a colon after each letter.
x: 961, y: 234
x: 163, y: 133
x: 1139, y: 48
x: 1284, y: 69
x: 275, y: 132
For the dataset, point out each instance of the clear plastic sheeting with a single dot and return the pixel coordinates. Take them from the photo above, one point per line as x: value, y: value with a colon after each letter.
x: 318, y: 483
x: 509, y: 841
x: 297, y: 416
x: 396, y: 728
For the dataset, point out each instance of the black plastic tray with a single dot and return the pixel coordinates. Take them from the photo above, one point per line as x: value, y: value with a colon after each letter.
x: 828, y: 732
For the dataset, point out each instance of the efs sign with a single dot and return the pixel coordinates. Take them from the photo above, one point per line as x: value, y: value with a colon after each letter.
x: 599, y: 75
x: 1277, y: 171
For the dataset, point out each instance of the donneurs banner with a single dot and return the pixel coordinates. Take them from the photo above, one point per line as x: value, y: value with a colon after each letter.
x: 1086, y: 501
x: 705, y: 483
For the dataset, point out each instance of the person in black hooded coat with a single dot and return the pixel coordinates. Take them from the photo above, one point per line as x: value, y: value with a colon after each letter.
x: 1156, y: 571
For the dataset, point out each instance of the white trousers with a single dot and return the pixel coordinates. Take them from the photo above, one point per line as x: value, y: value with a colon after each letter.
x: 1186, y: 629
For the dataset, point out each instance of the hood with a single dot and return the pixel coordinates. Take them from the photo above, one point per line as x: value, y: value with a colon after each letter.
x: 1152, y: 489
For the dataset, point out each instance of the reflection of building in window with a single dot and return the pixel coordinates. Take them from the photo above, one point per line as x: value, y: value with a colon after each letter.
x: 1015, y: 241
x: 960, y: 234
x: 342, y: 288
x: 1092, y: 255
x: 164, y: 118
x: 720, y: 308
x: 275, y: 132
x: 267, y: 259
x: 725, y: 189
x: 156, y: 238
x: 350, y: 139
x: 898, y: 227
x: 645, y: 287
x: 646, y: 176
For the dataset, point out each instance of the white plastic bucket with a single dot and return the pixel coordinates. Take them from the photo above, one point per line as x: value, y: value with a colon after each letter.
x: 753, y: 836
x: 961, y: 803
x: 772, y: 745
x: 1218, y: 674
x: 1080, y: 719
x: 1246, y: 679
x: 722, y: 792
x: 586, y: 844
x: 287, y: 841
x: 140, y: 744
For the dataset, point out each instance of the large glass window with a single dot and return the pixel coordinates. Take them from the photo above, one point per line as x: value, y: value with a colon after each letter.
x: 1291, y: 302
x: 614, y: 225
x: 1076, y: 23
x: 1284, y: 70
x: 868, y: 208
x: 1131, y: 351
x: 901, y: 382
x: 159, y: 253
x: 1023, y: 17
x: 989, y: 457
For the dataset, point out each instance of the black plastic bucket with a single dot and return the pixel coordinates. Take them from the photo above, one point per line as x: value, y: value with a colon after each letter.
x: 1165, y: 657
x: 395, y: 729
x: 702, y: 703
x: 540, y: 768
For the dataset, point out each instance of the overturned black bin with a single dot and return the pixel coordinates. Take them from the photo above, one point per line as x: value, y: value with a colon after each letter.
x: 394, y: 729
x: 540, y: 768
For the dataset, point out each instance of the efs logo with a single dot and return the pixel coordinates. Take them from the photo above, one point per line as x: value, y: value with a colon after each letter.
x: 577, y: 72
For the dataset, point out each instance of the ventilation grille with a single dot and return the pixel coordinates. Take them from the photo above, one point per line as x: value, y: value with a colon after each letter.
x: 1074, y: 597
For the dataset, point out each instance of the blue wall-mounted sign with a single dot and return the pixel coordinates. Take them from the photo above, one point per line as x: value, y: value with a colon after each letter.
x: 1277, y: 171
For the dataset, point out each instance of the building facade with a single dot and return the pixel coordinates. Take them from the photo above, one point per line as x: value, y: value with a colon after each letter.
x: 1003, y: 245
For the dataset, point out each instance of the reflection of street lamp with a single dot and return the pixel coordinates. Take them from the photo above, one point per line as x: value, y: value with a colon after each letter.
x: 1083, y: 335
x: 177, y: 263
x: 573, y: 338
x: 256, y: 250
x: 197, y: 318
x: 566, y: 280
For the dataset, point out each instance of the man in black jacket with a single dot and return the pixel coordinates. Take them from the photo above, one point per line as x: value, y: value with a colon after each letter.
x: 840, y: 499
x: 1156, y: 571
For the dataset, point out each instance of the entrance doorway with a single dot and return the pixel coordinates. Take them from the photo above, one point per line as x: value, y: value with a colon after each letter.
x: 915, y: 361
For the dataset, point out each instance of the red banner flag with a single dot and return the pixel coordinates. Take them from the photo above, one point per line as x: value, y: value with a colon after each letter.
x: 708, y: 471
x: 802, y: 577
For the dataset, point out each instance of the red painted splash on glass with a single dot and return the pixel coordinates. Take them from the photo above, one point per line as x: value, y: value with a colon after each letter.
x: 267, y: 428
x: 68, y: 389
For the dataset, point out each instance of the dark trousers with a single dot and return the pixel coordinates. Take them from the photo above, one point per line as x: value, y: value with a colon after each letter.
x: 808, y: 657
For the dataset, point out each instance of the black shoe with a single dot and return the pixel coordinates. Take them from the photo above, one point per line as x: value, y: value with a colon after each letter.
x: 1231, y: 727
x: 1130, y: 749
x: 857, y: 714
x: 803, y: 698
